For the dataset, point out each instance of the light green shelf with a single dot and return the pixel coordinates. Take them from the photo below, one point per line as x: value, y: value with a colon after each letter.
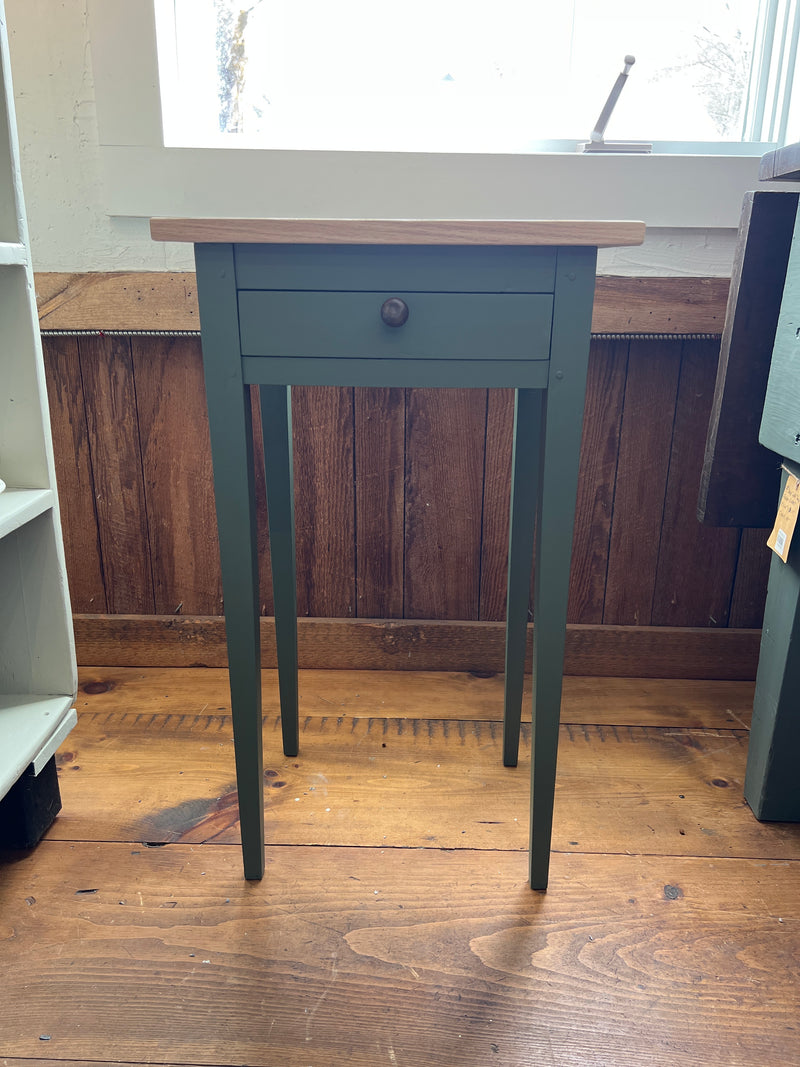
x: 18, y: 506
x: 31, y: 729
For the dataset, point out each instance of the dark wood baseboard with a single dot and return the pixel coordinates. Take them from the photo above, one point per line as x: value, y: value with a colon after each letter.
x: 167, y: 300
x: 367, y: 644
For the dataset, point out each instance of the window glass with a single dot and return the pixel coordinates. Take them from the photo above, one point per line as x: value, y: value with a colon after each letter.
x: 456, y: 75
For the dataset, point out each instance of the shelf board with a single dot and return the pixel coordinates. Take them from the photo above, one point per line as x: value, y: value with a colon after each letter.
x: 18, y: 506
x: 13, y: 254
x: 29, y: 725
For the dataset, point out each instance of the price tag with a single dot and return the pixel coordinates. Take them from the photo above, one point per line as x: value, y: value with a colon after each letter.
x: 781, y: 537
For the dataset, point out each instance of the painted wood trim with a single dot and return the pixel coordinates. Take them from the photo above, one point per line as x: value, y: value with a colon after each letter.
x: 403, y: 645
x: 401, y: 231
x: 770, y: 785
x: 782, y: 165
x: 739, y: 477
x: 147, y: 300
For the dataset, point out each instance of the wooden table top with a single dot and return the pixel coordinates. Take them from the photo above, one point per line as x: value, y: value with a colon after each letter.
x: 400, y: 231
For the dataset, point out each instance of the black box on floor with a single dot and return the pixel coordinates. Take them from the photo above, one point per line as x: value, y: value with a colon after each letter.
x: 29, y: 807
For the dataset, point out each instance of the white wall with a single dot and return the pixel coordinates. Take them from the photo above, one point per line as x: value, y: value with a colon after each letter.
x: 63, y: 170
x: 61, y: 167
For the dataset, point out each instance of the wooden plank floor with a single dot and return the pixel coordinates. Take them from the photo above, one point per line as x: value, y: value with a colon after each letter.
x: 394, y: 924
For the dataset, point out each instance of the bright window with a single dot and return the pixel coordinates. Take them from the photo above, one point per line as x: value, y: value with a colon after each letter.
x: 459, y: 76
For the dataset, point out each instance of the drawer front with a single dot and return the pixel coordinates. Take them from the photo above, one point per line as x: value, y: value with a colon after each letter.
x: 433, y: 269
x: 440, y: 325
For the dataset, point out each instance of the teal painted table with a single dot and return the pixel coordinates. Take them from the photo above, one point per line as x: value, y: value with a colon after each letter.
x: 395, y: 303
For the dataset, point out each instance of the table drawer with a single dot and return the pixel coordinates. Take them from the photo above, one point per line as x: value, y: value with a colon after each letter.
x: 430, y: 269
x: 439, y: 326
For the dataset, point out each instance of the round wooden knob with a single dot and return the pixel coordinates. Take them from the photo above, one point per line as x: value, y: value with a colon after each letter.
x: 394, y: 311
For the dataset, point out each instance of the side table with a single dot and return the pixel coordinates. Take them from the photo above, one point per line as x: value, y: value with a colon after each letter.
x: 395, y: 303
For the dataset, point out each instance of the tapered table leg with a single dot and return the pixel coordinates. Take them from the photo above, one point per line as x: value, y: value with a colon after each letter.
x: 276, y: 420
x: 230, y: 425
x: 524, y: 498
x: 558, y: 485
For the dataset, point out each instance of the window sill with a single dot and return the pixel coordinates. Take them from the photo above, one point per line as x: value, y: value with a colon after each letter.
x: 667, y: 191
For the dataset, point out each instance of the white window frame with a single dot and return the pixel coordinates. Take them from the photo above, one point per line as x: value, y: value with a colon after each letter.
x: 143, y: 178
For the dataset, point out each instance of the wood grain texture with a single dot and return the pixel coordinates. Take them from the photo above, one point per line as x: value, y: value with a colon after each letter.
x: 750, y: 584
x: 112, y: 420
x: 379, y: 433
x: 131, y: 300
x: 178, y: 479
x: 400, y: 231
x: 168, y: 301
x: 445, y: 448
x: 709, y: 554
x: 350, y: 439
x: 12, y: 1061
x: 410, y: 782
x: 74, y: 474
x: 406, y: 645
x: 643, y: 465
x: 420, y: 954
x: 658, y: 702
x: 496, y: 504
x: 322, y: 421
x: 267, y: 605
x: 739, y: 480
x: 605, y: 392
x: 641, y: 305
x: 395, y: 957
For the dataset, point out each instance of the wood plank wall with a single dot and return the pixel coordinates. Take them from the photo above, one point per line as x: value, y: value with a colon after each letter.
x: 402, y: 495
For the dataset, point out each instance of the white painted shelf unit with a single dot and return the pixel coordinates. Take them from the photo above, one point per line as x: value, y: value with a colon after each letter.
x: 38, y: 679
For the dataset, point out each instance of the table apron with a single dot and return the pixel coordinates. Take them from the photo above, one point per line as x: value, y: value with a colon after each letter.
x: 399, y: 373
